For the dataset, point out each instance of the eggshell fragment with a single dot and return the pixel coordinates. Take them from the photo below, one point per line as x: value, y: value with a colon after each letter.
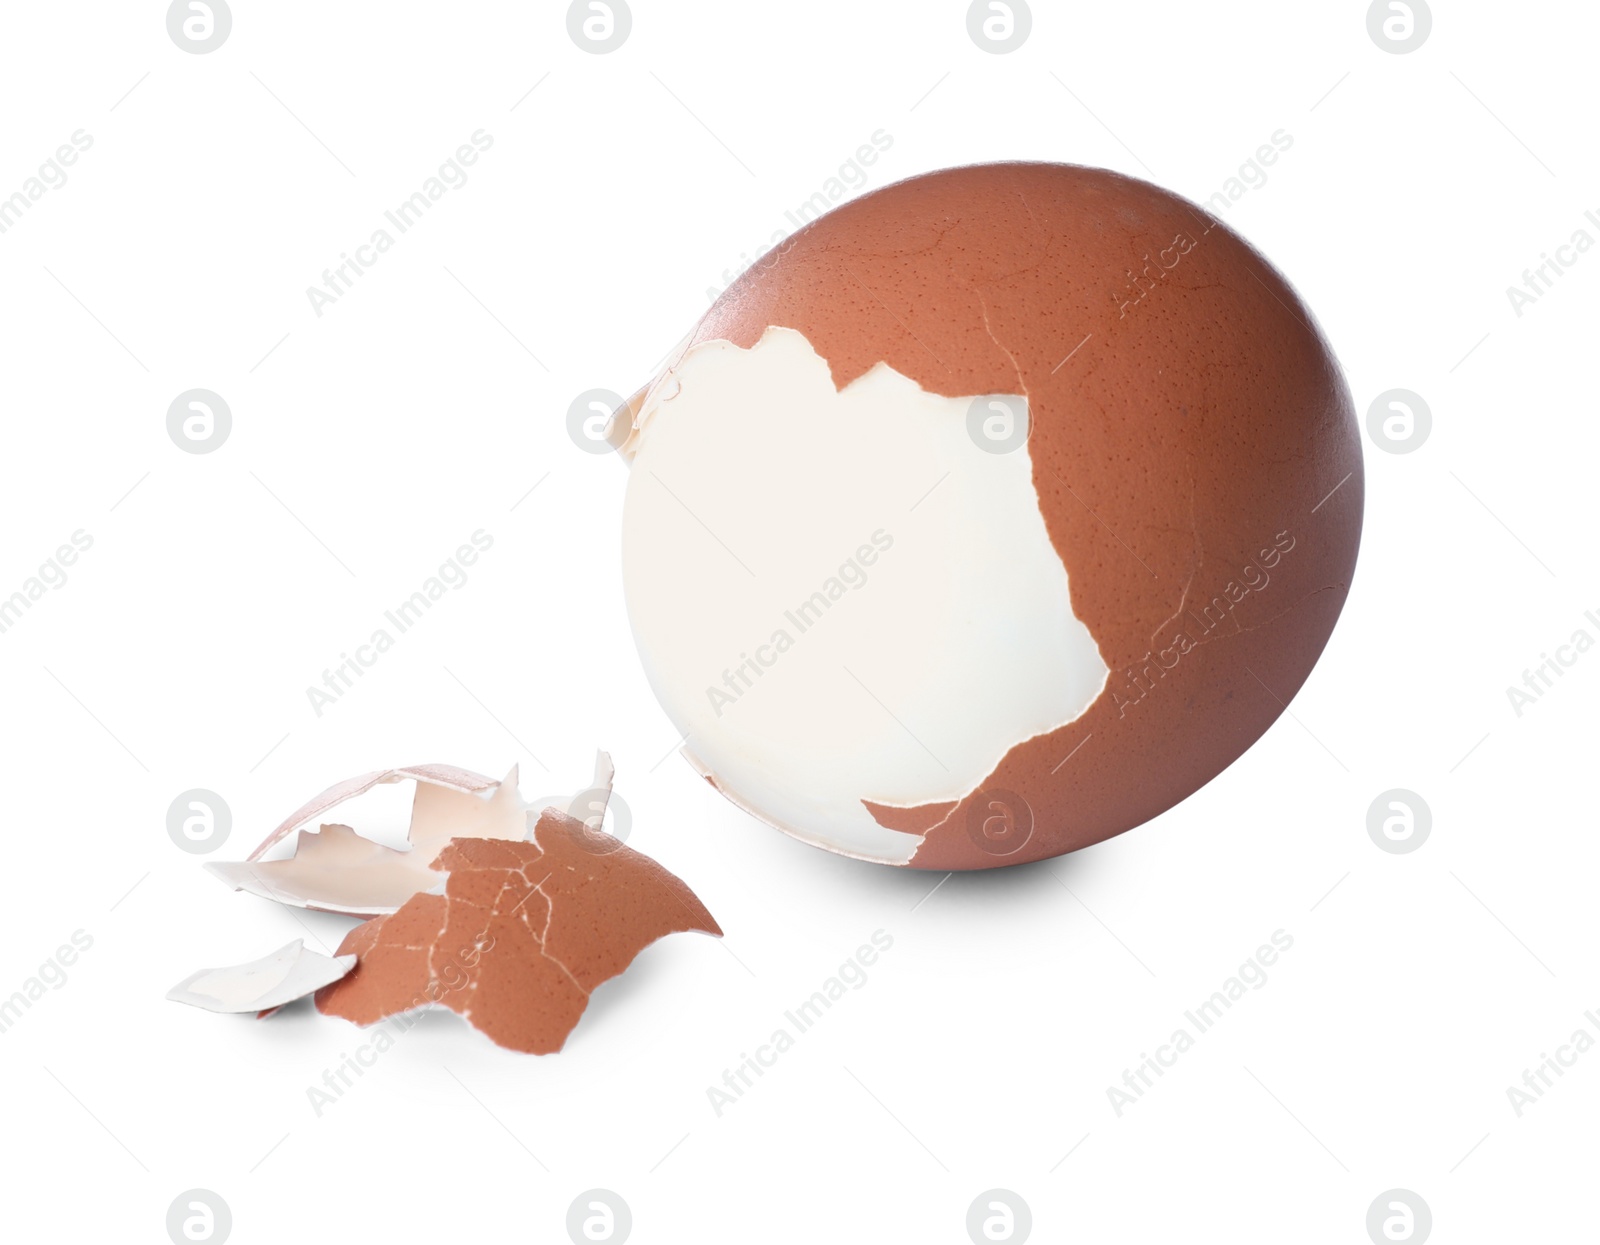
x: 521, y: 936
x: 262, y: 986
x: 338, y: 870
x: 449, y: 776
x: 1191, y: 451
x: 589, y: 805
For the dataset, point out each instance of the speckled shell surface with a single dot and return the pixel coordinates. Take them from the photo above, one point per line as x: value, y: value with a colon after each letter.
x: 1194, y: 449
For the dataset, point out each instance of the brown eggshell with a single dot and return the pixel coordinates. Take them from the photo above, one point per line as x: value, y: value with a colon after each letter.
x: 522, y: 935
x: 1187, y: 418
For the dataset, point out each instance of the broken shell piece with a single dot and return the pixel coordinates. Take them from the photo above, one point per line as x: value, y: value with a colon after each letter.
x: 450, y: 776
x: 338, y: 870
x: 605, y: 774
x: 521, y: 936
x: 589, y: 805
x: 262, y: 986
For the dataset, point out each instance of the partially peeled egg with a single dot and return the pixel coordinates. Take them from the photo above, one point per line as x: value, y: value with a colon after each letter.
x: 990, y: 515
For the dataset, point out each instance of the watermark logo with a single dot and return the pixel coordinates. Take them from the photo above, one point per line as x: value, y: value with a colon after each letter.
x: 1399, y: 421
x: 851, y: 975
x: 599, y: 1215
x: 199, y: 1215
x: 1399, y: 1215
x: 199, y: 26
x: 599, y: 26
x: 1198, y: 1021
x: 1142, y: 284
x: 451, y: 975
x: 850, y: 577
x: 587, y: 418
x: 51, y: 575
x: 1539, y: 680
x: 1252, y: 173
x: 51, y: 975
x: 1199, y: 623
x: 51, y: 175
x: 594, y: 808
x: 1399, y: 26
x: 451, y: 576
x: 1537, y: 1079
x: 999, y: 1215
x: 198, y: 821
x: 1000, y: 822
x: 199, y: 421
x: 1399, y: 821
x: 1540, y: 279
x: 850, y: 176
x: 998, y: 422
x: 339, y: 279
x: 999, y: 26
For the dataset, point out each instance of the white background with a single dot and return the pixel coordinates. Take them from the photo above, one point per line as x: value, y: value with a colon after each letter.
x: 369, y: 442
